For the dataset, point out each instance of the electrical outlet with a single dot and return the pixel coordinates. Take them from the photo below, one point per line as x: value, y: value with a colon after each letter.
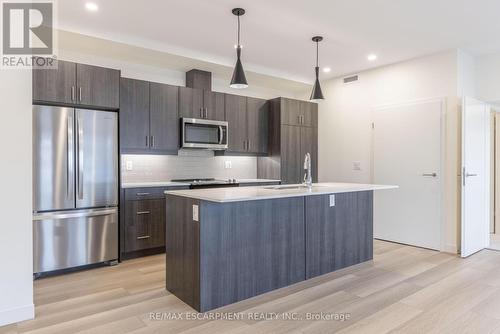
x: 356, y: 165
x: 195, y: 213
x: 129, y: 164
x: 332, y: 200
x: 228, y: 164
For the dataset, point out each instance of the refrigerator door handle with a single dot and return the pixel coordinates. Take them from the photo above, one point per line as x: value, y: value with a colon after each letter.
x: 73, y: 214
x: 80, y: 157
x: 68, y: 155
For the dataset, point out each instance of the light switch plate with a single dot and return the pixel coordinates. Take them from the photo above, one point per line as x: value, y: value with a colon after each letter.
x: 196, y: 217
x: 129, y: 165
x: 332, y: 200
x: 356, y: 165
x: 228, y: 164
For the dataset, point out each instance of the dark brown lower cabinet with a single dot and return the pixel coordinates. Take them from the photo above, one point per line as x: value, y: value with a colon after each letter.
x: 339, y: 234
x: 145, y: 224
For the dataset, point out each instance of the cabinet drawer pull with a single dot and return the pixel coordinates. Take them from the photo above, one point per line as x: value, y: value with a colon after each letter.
x: 143, y: 212
x: 142, y: 194
x: 143, y: 237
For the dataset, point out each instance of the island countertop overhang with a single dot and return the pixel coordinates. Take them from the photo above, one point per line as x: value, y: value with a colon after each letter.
x: 234, y: 194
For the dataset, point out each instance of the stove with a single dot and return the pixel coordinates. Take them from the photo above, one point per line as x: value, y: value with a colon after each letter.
x: 208, y: 183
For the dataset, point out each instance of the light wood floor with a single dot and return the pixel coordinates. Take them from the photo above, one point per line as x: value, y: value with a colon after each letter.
x: 404, y: 290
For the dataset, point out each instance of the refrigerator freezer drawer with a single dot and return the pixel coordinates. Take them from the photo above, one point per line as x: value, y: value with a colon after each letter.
x: 69, y: 239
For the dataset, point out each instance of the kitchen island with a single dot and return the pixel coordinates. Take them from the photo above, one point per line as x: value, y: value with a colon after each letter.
x: 224, y: 245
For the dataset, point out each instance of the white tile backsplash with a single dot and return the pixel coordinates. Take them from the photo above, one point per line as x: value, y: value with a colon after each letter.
x: 188, y: 164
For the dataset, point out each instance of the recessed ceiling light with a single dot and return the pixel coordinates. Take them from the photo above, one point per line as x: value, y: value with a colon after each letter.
x: 372, y: 57
x: 327, y: 70
x: 91, y: 7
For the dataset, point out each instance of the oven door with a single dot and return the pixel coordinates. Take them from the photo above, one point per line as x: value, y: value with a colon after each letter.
x: 204, y: 134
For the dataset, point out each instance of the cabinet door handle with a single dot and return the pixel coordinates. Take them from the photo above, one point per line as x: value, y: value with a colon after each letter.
x: 143, y: 237
x: 248, y: 145
x: 142, y: 194
x: 152, y: 141
x: 143, y: 212
x: 147, y: 141
x: 201, y: 112
x: 73, y: 93
x: 206, y: 112
x: 80, y: 94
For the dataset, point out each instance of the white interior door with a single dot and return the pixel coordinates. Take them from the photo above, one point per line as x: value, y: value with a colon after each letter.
x: 407, y: 144
x: 475, y: 176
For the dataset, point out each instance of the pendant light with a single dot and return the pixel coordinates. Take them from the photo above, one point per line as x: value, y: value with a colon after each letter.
x: 317, y: 94
x: 239, y: 80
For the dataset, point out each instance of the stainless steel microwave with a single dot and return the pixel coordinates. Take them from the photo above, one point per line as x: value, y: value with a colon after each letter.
x: 204, y: 133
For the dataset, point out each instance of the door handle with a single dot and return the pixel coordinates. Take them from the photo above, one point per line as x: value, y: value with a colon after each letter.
x: 73, y: 93
x: 69, y: 156
x: 469, y: 175
x: 430, y: 174
x: 221, y: 134
x: 143, y: 212
x: 80, y: 157
x: 80, y: 94
x: 152, y: 141
x: 144, y: 237
x: 142, y: 194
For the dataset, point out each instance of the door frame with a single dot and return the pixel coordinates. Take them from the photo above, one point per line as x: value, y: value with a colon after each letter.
x: 442, y: 158
x: 487, y: 187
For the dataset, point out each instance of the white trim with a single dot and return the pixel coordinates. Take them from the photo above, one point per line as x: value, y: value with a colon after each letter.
x: 17, y: 314
x: 443, y: 153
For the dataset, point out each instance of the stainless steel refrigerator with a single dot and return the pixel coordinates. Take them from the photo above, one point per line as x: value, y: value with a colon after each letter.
x: 75, y: 187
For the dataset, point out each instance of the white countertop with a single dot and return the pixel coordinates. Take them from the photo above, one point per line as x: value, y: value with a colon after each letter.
x: 223, y: 195
x: 180, y: 184
x: 153, y: 184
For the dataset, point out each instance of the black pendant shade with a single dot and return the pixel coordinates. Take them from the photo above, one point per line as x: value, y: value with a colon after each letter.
x: 239, y: 79
x: 317, y: 94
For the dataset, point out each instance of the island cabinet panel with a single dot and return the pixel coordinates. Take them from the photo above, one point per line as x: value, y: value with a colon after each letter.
x: 183, y: 250
x: 338, y: 235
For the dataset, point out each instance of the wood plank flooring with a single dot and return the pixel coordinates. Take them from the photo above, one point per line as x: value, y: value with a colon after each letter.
x: 404, y: 290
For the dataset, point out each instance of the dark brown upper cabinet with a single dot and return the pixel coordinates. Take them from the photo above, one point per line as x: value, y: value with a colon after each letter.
x: 134, y: 115
x: 191, y: 102
x: 78, y: 85
x: 293, y: 132
x: 164, y: 118
x: 98, y: 86
x: 299, y: 113
x: 56, y: 85
x: 199, y: 103
x: 248, y: 125
x: 236, y: 116
x: 149, y: 121
x: 257, y: 123
x: 213, y: 103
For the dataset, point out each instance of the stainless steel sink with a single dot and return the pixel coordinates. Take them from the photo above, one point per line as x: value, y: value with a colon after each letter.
x: 286, y: 187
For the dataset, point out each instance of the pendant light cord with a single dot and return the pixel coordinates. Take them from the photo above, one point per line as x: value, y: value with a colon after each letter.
x: 317, y: 53
x: 238, y: 30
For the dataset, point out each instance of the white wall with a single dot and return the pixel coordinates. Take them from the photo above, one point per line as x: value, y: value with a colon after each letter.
x: 488, y: 78
x: 345, y: 121
x: 16, y: 276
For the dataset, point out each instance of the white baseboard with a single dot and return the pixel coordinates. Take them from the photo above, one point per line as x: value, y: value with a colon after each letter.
x: 17, y: 314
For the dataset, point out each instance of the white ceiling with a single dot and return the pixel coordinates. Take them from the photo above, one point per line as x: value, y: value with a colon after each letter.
x: 276, y: 33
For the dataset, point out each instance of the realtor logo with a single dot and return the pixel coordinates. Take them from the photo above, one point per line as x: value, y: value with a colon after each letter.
x: 27, y: 31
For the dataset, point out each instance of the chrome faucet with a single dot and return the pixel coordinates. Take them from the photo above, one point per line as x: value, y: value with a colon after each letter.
x: 308, y: 170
